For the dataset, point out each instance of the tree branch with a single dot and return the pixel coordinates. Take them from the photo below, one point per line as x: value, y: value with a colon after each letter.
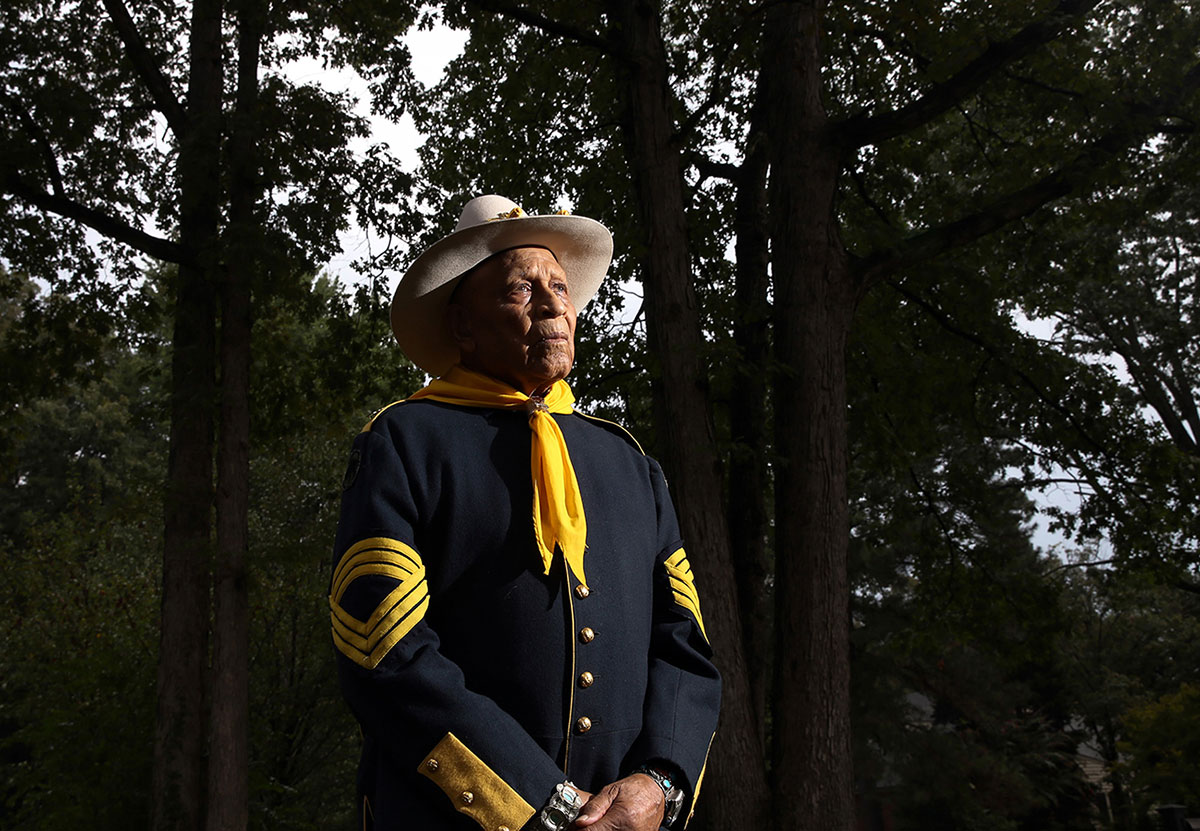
x: 860, y: 184
x: 1083, y: 564
x: 1000, y: 212
x: 718, y: 92
x: 712, y: 169
x: 1139, y: 122
x: 147, y: 68
x: 1186, y: 586
x: 1153, y: 383
x: 548, y: 25
x: 1043, y: 86
x: 1181, y: 391
x: 1053, y: 402
x: 872, y: 129
x: 894, y: 41
x: 1012, y: 206
x: 39, y: 138
x: 160, y: 249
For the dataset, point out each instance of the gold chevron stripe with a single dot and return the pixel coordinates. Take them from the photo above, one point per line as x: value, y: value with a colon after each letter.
x: 370, y: 564
x: 679, y: 560
x: 685, y: 596
x: 372, y: 659
x: 366, y: 642
x: 683, y: 586
x: 395, y: 607
x: 380, y: 551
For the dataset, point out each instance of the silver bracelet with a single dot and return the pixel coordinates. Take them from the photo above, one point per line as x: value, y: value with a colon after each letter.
x: 672, y: 793
x: 562, y: 808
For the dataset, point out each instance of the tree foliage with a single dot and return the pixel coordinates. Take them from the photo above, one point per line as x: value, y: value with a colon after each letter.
x: 834, y: 225
x: 81, y: 545
x: 172, y: 131
x: 894, y: 143
x: 1162, y: 737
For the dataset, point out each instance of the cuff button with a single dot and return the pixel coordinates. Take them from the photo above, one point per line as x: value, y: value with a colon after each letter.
x: 467, y: 797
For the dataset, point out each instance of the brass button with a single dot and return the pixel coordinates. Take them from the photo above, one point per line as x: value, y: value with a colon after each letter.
x: 502, y: 828
x: 467, y: 797
x: 586, y: 679
x: 587, y: 634
x: 584, y: 724
x: 432, y: 764
x: 582, y: 591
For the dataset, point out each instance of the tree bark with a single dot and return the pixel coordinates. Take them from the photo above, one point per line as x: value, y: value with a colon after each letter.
x: 229, y: 768
x: 749, y: 422
x: 179, y: 746
x: 814, y: 303
x: 736, y: 780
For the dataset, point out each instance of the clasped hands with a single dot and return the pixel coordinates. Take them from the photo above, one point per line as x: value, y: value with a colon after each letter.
x: 635, y: 803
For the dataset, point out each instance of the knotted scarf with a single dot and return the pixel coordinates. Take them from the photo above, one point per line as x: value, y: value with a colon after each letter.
x: 557, y: 505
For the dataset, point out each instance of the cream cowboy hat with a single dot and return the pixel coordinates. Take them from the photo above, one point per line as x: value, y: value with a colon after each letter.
x: 487, y: 226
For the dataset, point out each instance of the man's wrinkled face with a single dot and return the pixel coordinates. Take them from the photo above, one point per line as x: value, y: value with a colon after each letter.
x: 513, y: 320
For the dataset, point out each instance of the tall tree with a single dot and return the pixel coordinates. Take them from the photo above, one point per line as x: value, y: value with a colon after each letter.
x: 893, y: 137
x: 112, y: 129
x: 1122, y: 299
x: 83, y: 457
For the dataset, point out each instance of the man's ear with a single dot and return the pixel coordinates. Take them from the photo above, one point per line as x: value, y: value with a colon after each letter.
x: 459, y: 322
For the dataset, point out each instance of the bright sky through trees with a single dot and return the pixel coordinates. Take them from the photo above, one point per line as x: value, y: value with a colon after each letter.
x: 431, y: 50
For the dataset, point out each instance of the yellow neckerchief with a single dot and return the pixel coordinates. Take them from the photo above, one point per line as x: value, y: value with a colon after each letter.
x: 557, y: 505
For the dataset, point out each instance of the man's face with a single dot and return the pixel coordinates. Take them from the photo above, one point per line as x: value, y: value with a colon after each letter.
x: 514, y: 320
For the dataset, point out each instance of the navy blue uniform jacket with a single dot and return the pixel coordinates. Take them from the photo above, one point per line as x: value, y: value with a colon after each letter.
x: 479, y: 681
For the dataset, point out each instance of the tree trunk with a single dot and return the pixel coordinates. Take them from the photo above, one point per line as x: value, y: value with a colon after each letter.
x: 229, y: 769
x: 183, y: 639
x: 736, y: 782
x: 229, y: 762
x: 814, y: 303
x: 179, y: 752
x: 749, y: 477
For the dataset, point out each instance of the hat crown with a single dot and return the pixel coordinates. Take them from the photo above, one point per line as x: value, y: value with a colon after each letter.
x: 483, y: 209
x: 582, y: 246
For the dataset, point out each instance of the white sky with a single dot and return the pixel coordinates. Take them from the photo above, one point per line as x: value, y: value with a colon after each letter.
x: 431, y: 51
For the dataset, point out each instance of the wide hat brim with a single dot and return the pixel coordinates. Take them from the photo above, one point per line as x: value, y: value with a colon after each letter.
x: 582, y: 246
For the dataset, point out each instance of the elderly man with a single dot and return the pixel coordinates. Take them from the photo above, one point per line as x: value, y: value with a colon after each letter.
x: 517, y: 627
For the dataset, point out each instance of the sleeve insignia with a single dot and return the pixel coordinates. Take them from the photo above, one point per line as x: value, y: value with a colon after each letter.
x: 352, y: 469
x: 683, y: 586
x: 366, y: 642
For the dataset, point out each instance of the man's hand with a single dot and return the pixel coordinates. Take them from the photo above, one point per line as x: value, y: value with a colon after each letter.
x: 635, y: 803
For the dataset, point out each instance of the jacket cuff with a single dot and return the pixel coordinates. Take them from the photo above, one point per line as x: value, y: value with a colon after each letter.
x: 474, y: 788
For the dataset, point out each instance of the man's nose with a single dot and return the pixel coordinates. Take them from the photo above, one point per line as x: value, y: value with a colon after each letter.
x: 550, y: 303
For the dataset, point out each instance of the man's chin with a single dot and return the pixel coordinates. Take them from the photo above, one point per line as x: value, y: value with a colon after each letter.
x: 548, y: 374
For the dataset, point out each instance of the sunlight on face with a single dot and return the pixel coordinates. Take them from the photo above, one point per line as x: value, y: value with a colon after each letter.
x: 513, y: 320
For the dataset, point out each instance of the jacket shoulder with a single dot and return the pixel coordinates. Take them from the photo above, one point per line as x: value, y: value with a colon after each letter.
x: 614, y: 428
x: 403, y: 411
